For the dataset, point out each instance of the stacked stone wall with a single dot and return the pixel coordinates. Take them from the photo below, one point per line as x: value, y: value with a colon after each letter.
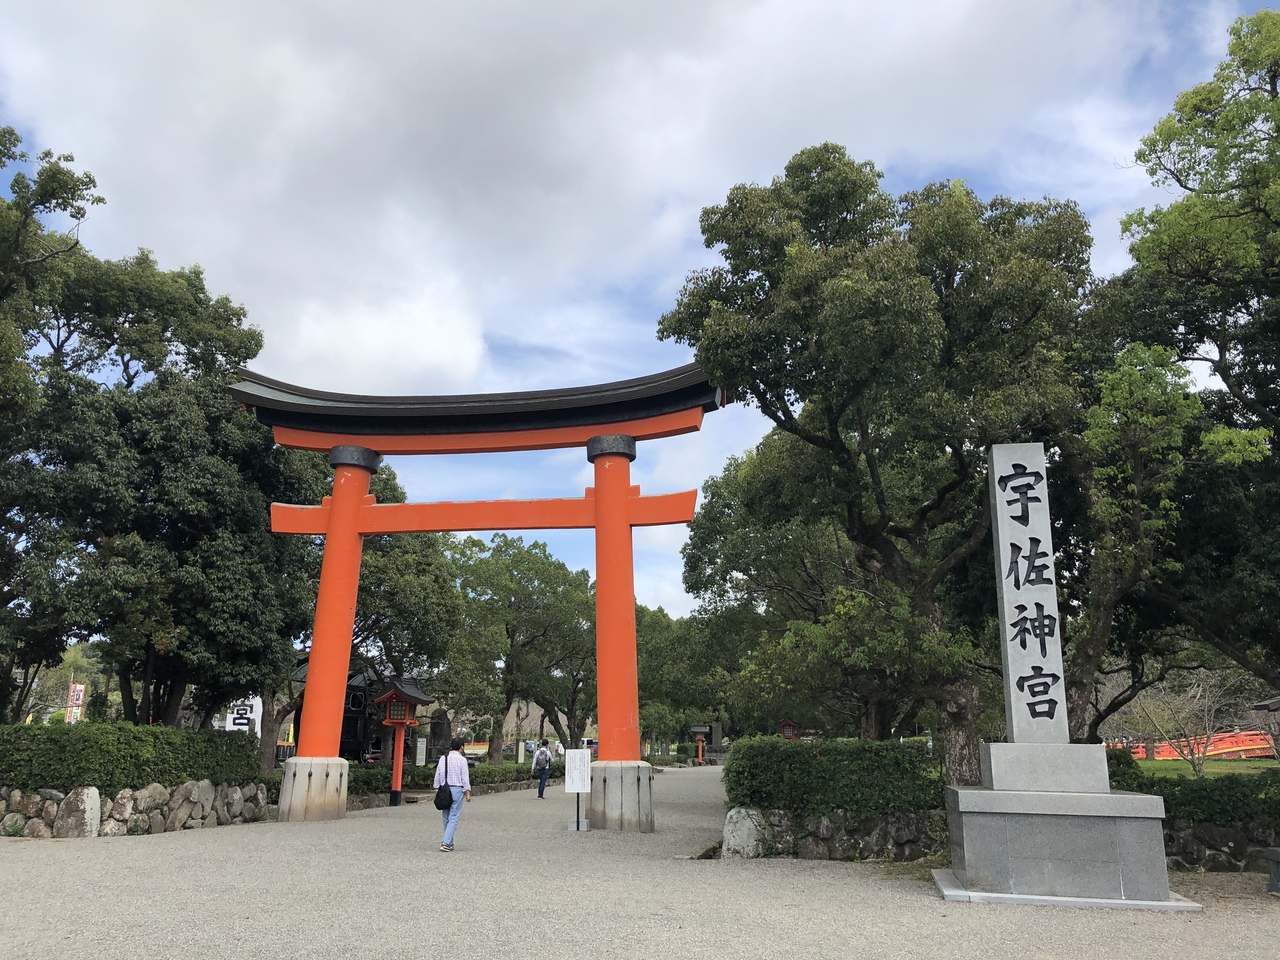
x: 749, y: 832
x: 194, y: 805
x: 776, y: 833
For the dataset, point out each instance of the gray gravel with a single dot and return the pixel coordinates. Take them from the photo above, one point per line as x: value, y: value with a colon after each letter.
x: 519, y: 884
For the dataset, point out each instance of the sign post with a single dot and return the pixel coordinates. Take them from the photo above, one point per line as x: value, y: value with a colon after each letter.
x: 1044, y: 826
x: 577, y: 780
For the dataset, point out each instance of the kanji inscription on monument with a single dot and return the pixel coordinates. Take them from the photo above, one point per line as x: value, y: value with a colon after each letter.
x: 1034, y: 688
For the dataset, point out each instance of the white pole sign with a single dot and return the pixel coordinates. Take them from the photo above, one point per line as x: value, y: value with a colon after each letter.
x: 1034, y: 685
x: 577, y: 771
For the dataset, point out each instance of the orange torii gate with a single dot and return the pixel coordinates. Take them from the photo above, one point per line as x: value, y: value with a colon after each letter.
x: 356, y: 431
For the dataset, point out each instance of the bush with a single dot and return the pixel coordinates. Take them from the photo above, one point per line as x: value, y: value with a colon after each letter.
x: 1235, y: 798
x: 112, y: 756
x: 815, y: 778
x: 1124, y: 771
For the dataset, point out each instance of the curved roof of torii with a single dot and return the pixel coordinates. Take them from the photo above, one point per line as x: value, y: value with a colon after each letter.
x: 283, y: 405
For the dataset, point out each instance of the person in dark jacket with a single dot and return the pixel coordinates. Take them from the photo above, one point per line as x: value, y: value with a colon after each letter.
x: 542, y: 767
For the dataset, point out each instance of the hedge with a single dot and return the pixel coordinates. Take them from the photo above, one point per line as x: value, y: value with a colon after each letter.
x: 112, y: 756
x: 367, y: 778
x: 816, y: 778
x: 1235, y: 798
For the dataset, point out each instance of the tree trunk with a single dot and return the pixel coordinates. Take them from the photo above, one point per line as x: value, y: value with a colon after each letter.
x: 495, y: 734
x: 273, y: 713
x: 958, y: 714
x: 1086, y: 660
x: 145, y: 709
x: 128, y: 705
x: 173, y: 703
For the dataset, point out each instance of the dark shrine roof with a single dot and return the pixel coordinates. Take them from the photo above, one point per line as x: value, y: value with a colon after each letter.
x: 279, y: 404
x: 407, y: 691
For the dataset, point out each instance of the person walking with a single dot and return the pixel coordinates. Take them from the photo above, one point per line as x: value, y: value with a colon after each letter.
x: 452, y: 771
x: 542, y: 767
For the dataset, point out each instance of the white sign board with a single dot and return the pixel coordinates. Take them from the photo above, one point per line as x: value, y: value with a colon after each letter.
x: 577, y: 771
x: 1026, y: 585
x: 246, y: 716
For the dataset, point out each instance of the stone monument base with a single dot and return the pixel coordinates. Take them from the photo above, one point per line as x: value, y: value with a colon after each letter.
x: 1045, y: 828
x: 621, y: 796
x: 314, y: 788
x: 953, y: 889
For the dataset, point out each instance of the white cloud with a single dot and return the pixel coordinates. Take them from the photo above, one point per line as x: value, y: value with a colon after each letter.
x: 431, y: 198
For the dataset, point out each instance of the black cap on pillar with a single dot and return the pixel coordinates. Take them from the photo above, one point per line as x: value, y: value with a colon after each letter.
x: 611, y: 443
x: 352, y: 456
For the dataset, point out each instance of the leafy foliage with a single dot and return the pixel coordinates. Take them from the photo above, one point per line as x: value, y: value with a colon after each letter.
x: 112, y: 756
x: 1233, y: 799
x: 815, y: 778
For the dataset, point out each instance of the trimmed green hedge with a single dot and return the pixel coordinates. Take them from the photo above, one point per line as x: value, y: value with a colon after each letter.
x: 112, y: 756
x: 815, y: 778
x: 367, y: 778
x: 1231, y: 799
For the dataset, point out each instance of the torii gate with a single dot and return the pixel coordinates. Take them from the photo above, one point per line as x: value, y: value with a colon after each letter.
x: 357, y: 431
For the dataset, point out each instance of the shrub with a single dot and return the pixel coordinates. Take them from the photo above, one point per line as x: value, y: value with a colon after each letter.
x: 112, y: 756
x: 1231, y: 799
x: 1124, y: 771
x: 815, y: 778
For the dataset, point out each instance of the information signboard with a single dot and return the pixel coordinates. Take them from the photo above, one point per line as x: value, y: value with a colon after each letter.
x: 577, y: 771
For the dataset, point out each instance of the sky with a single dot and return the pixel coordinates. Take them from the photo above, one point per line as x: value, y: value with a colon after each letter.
x: 428, y: 198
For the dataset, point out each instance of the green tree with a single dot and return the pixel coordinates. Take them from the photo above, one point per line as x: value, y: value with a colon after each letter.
x: 409, y: 605
x: 527, y: 634
x: 1205, y: 284
x: 139, y: 482
x: 891, y: 341
x: 32, y: 580
x: 1216, y: 247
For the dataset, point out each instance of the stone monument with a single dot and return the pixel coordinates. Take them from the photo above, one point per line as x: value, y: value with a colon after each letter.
x: 1044, y: 826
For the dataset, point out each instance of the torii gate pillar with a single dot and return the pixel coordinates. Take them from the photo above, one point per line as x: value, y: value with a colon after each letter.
x: 621, y: 783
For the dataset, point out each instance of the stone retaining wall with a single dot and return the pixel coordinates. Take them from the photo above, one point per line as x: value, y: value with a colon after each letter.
x: 776, y: 833
x: 1206, y: 847
x: 748, y: 832
x: 40, y: 814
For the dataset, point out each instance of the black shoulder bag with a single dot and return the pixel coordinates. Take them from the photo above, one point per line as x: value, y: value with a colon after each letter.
x: 444, y: 796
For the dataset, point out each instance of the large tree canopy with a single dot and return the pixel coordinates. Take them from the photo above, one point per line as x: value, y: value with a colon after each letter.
x: 136, y: 492
x: 890, y: 341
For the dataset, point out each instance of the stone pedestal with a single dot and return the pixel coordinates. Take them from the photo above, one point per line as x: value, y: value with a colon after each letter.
x: 1045, y: 828
x: 621, y: 796
x: 313, y: 788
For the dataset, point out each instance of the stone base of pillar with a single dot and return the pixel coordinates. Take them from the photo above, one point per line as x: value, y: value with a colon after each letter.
x: 621, y: 796
x: 1074, y: 849
x: 314, y: 788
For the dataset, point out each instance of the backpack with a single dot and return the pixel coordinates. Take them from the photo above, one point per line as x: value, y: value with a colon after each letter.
x: 541, y: 759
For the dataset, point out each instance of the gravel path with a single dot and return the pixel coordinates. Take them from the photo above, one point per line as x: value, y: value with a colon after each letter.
x: 519, y: 884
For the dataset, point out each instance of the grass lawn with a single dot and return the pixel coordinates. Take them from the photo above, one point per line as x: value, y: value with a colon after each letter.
x: 1212, y: 768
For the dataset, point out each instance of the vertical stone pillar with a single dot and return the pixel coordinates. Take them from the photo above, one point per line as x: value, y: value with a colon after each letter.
x: 621, y: 797
x: 1026, y: 586
x: 314, y: 786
